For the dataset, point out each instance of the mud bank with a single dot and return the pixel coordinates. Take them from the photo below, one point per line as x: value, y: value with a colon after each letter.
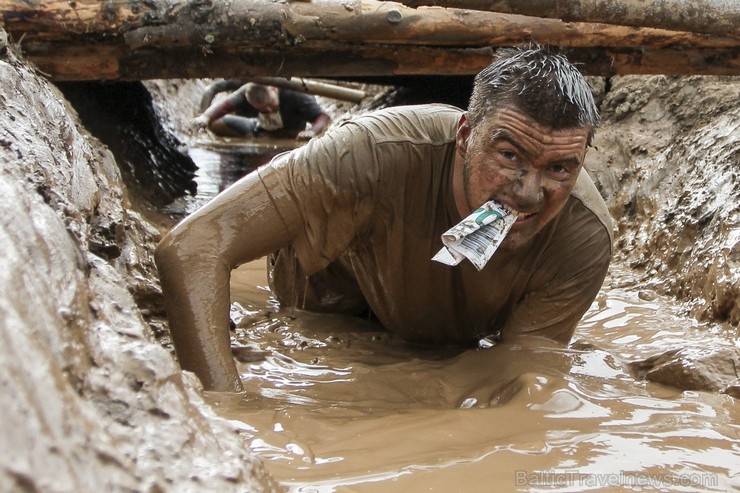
x: 90, y: 401
x: 668, y: 161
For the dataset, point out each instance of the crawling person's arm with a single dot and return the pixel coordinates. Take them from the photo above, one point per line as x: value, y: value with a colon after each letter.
x: 195, y: 260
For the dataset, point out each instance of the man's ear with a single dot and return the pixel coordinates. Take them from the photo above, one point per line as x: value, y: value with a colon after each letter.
x: 462, y: 135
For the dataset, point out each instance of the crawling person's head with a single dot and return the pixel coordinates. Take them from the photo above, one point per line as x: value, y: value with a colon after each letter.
x: 265, y: 99
x: 545, y: 86
x: 523, y: 139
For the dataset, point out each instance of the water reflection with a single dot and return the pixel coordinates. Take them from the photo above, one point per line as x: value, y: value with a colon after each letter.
x: 220, y: 165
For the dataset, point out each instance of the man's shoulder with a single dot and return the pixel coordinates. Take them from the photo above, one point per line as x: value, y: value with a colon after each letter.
x: 579, y: 241
x: 420, y: 110
x: 294, y: 94
x: 587, y: 195
x: 423, y: 124
x: 296, y: 97
x: 420, y: 113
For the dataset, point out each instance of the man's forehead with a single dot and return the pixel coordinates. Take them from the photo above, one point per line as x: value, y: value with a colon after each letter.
x: 509, y: 123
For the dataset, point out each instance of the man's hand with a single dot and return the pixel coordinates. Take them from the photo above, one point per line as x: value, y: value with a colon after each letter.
x: 318, y: 126
x: 306, y: 135
x: 200, y: 122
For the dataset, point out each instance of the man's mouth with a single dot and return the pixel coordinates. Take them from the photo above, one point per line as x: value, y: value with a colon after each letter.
x: 525, y: 218
x: 522, y: 217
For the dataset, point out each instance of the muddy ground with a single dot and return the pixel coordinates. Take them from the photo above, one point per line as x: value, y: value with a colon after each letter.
x: 668, y: 162
x: 91, y: 400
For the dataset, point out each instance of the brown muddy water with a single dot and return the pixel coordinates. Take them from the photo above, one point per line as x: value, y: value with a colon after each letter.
x: 336, y: 404
x: 222, y: 163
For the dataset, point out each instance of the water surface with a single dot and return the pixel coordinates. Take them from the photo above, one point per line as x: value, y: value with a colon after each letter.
x: 337, y: 404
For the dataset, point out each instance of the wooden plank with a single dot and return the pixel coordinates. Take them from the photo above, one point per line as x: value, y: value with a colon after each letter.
x: 720, y: 17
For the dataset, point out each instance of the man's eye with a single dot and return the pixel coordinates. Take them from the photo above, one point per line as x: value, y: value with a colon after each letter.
x: 508, y: 155
x: 558, y: 169
x: 559, y: 172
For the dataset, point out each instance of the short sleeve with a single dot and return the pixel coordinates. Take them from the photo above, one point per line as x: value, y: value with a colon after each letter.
x: 332, y: 182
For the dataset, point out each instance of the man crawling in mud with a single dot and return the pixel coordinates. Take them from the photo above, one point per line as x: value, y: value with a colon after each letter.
x: 352, y: 220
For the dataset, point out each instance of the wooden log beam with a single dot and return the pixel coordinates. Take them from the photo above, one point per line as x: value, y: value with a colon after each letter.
x: 720, y: 17
x: 316, y: 88
x: 138, y: 39
x: 65, y: 64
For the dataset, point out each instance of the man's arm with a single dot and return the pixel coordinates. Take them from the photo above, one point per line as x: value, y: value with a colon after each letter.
x: 563, y: 286
x: 317, y: 126
x: 195, y: 260
x: 306, y: 107
x: 554, y: 312
x: 219, y: 108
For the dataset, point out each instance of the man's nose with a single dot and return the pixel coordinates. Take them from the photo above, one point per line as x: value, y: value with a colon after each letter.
x: 527, y: 191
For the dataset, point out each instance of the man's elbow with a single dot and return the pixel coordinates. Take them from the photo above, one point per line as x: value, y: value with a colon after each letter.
x: 323, y: 120
x: 165, y: 255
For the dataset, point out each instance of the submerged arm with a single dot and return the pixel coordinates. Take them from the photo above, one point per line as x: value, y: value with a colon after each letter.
x: 195, y: 260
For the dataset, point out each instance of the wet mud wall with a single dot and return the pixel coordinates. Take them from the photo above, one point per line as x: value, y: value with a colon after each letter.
x: 89, y: 400
x: 667, y: 159
x: 153, y: 164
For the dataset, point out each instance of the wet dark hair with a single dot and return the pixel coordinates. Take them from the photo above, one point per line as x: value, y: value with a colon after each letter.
x: 543, y: 85
x: 257, y: 93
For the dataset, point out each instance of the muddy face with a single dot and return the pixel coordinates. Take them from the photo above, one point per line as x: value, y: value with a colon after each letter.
x: 528, y: 167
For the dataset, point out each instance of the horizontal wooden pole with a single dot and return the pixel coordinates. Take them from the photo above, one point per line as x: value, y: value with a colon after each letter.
x: 316, y: 88
x: 132, y: 40
x: 720, y: 17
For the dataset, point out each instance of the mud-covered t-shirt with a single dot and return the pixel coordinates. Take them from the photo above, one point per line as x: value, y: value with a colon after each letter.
x: 374, y: 196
